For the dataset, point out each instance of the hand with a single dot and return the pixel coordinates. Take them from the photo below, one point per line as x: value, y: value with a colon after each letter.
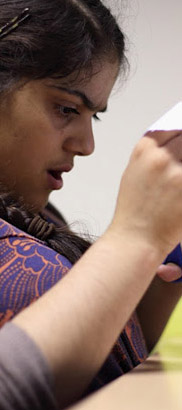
x: 150, y: 197
x: 172, y: 141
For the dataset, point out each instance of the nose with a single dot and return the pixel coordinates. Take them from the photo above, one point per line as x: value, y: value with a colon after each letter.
x: 80, y: 140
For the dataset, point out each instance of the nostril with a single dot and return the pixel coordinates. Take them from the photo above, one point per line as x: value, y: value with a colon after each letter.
x: 80, y: 154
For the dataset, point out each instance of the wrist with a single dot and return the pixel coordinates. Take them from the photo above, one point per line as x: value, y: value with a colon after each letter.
x: 136, y: 243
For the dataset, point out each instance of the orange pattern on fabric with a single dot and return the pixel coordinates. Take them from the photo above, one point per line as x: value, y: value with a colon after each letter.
x: 28, y: 268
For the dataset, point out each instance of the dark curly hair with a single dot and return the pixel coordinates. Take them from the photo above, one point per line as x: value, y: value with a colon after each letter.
x: 60, y: 37
x: 57, y: 236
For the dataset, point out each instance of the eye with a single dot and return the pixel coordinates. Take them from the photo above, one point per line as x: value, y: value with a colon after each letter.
x: 66, y: 111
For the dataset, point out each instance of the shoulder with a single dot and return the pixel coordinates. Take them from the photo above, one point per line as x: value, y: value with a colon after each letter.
x: 28, y: 268
x: 26, y: 245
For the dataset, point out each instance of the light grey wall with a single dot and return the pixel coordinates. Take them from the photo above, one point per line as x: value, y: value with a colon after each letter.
x: 154, y: 30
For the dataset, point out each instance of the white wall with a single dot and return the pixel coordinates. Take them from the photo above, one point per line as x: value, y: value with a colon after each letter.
x: 154, y: 29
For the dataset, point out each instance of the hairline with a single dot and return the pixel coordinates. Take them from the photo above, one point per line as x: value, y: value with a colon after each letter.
x: 18, y: 84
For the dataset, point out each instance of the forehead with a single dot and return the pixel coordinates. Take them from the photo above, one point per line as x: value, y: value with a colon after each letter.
x: 101, y: 83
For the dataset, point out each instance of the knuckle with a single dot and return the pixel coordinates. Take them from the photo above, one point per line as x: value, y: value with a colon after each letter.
x: 142, y: 147
x: 161, y: 159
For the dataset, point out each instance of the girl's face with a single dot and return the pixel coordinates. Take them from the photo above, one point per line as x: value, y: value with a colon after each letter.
x: 43, y: 126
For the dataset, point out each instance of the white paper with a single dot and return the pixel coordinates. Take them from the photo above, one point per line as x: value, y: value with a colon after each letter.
x: 172, y: 120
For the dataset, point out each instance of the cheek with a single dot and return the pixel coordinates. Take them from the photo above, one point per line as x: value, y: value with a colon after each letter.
x: 33, y: 138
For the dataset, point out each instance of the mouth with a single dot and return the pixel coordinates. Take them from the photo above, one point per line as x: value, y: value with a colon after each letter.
x: 55, y: 174
x: 55, y: 180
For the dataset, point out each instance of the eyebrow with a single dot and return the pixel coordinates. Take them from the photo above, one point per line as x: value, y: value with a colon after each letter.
x: 86, y: 101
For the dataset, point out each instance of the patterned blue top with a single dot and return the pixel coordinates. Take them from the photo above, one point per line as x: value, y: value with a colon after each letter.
x: 28, y: 268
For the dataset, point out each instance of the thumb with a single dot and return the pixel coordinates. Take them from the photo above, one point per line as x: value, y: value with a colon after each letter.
x: 169, y: 272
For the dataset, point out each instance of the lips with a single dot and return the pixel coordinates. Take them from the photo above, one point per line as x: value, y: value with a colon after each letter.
x: 55, y: 174
x: 55, y: 180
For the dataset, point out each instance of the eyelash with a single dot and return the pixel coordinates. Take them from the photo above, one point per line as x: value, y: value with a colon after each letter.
x: 96, y: 118
x: 70, y: 111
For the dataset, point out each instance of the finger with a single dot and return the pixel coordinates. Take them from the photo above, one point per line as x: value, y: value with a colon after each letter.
x: 169, y: 272
x: 175, y: 147
x: 163, y: 137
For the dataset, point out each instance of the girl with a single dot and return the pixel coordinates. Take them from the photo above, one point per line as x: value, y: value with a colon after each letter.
x: 59, y: 62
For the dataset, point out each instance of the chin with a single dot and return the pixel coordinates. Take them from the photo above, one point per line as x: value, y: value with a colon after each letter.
x: 34, y: 205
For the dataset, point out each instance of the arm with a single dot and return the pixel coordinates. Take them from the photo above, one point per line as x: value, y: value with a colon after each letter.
x: 82, y: 316
x: 161, y: 298
x: 156, y: 307
x: 25, y: 379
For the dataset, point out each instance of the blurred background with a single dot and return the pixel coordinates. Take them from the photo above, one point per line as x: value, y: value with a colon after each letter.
x: 153, y: 32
